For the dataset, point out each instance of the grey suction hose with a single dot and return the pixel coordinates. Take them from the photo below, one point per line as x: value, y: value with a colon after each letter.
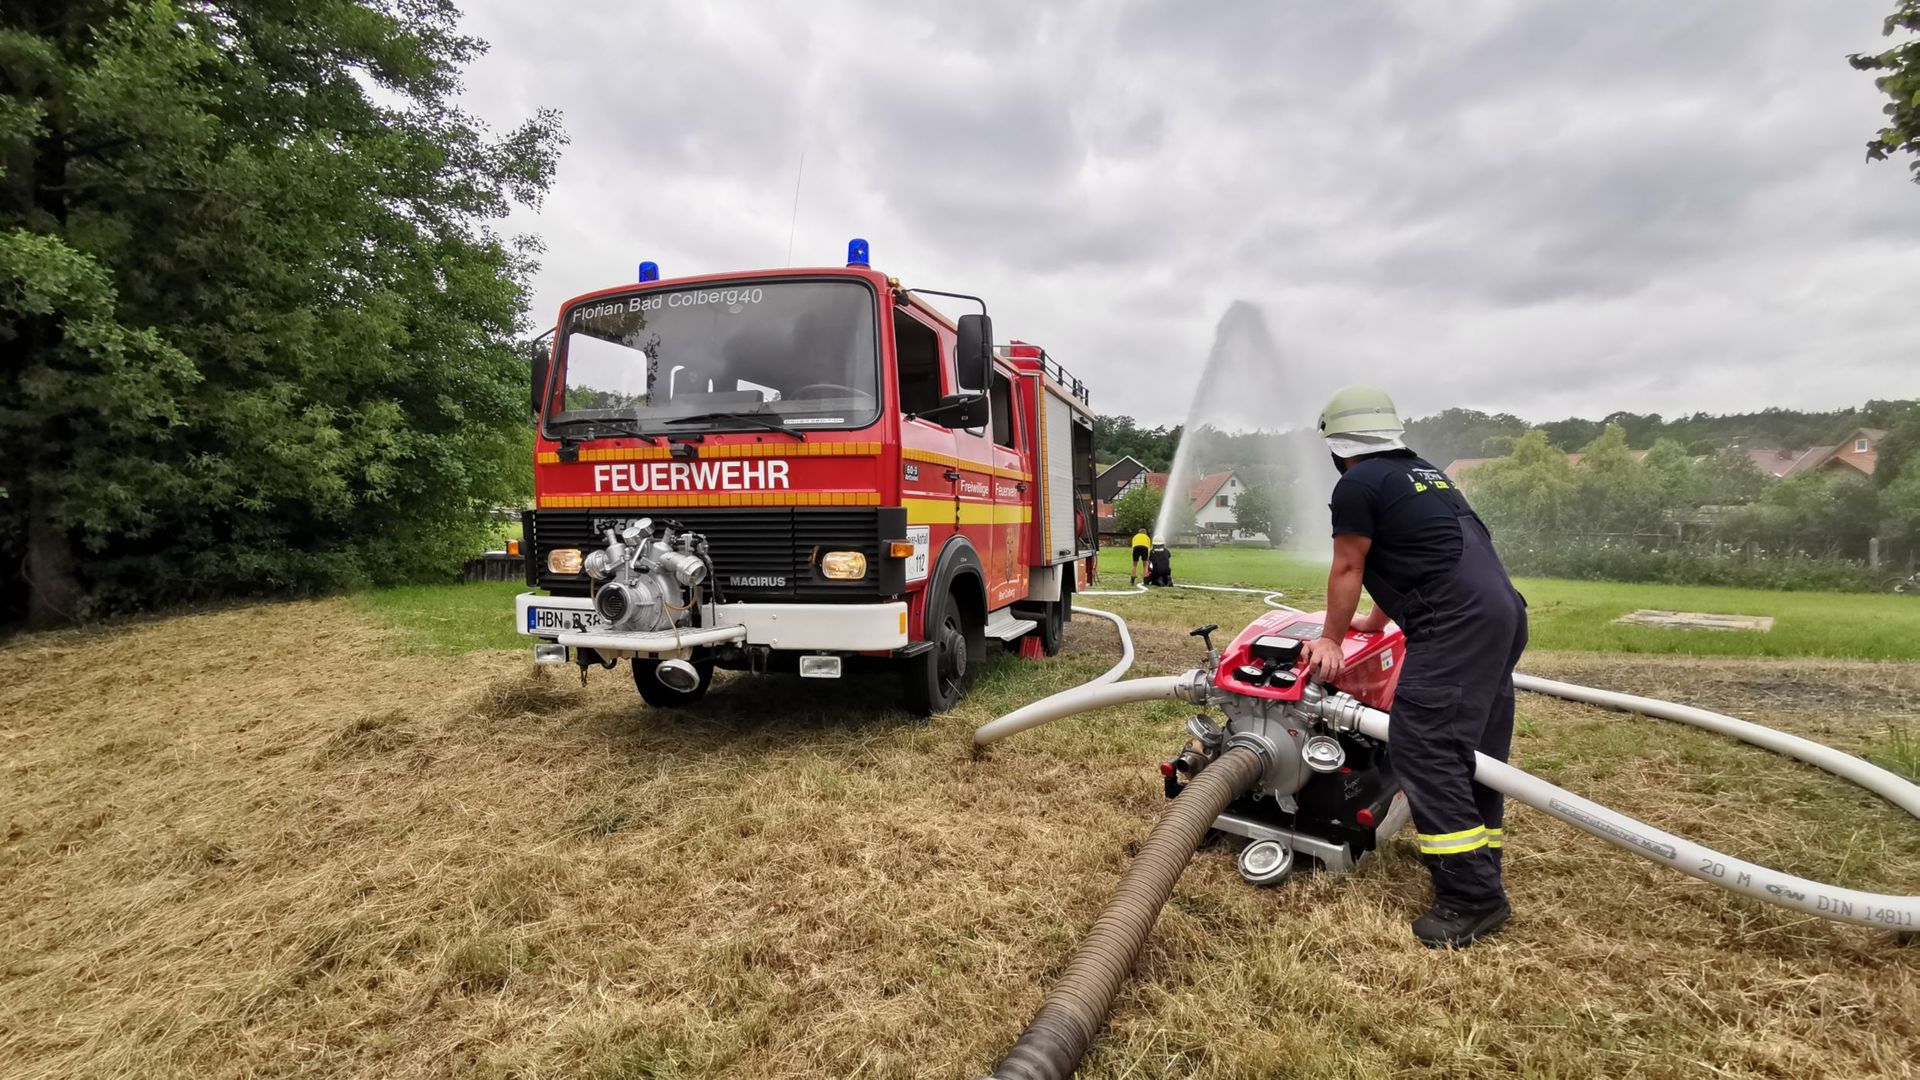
x: 1888, y: 785
x: 1075, y: 1008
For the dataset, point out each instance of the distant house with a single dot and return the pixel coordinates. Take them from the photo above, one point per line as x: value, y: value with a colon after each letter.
x: 1211, y: 499
x: 1856, y: 455
x: 1114, y: 481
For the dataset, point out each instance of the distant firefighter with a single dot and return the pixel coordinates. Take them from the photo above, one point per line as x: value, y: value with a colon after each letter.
x: 1159, y: 564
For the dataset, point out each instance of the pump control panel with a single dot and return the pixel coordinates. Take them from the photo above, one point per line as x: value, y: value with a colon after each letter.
x: 1264, y: 660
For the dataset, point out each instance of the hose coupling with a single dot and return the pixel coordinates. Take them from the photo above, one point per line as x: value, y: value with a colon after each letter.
x: 1196, y: 687
x: 1206, y: 732
x: 1259, y: 744
x: 1340, y: 710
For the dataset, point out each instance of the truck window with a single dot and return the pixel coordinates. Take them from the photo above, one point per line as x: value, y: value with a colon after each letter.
x: 1003, y: 423
x: 917, y: 358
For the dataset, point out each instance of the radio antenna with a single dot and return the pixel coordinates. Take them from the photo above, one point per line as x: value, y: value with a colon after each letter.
x: 793, y: 223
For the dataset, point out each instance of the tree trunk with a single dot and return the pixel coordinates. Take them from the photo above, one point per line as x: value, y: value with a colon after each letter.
x: 53, y: 592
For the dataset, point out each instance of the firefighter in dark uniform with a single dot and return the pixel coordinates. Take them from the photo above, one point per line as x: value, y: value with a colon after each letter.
x: 1402, y: 529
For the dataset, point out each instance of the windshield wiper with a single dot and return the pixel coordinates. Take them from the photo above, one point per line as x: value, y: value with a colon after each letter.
x: 763, y: 420
x: 599, y: 426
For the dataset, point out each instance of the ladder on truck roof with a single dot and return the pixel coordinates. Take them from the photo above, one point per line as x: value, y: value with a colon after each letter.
x: 1051, y: 369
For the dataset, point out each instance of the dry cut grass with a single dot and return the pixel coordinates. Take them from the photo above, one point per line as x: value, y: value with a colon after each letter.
x: 264, y: 843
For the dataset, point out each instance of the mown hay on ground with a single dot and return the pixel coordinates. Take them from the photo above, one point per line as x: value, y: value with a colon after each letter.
x: 266, y: 842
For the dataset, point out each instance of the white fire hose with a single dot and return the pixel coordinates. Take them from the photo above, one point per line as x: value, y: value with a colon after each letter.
x: 1696, y: 860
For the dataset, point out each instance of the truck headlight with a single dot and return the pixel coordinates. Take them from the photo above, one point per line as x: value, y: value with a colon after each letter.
x: 844, y: 565
x: 563, y: 561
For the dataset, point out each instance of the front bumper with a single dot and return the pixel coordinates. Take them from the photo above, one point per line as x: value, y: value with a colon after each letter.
x: 794, y: 627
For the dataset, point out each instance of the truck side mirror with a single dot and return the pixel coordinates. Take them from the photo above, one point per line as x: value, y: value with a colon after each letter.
x: 539, y: 351
x: 975, y: 357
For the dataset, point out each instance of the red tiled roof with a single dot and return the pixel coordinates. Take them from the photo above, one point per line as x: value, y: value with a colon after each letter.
x: 1202, y: 491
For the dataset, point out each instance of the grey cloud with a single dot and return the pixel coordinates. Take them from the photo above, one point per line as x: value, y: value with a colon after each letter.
x: 1540, y: 208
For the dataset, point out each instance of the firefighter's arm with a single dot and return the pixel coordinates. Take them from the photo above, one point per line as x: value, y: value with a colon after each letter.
x: 1323, y: 657
x: 1374, y: 621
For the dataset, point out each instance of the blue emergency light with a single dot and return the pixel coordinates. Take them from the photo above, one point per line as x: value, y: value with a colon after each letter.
x: 857, y: 254
x: 649, y: 271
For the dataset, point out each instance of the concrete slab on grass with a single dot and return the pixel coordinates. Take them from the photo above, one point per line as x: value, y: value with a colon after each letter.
x: 1697, y: 620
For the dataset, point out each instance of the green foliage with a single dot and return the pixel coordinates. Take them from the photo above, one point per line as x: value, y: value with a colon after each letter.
x: 1136, y: 510
x: 1615, y: 492
x: 1901, y: 84
x: 1259, y: 509
x: 1448, y: 436
x: 1533, y: 491
x: 1728, y: 477
x: 1119, y: 436
x: 260, y: 330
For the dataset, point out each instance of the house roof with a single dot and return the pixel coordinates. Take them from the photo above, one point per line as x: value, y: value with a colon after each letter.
x: 1840, y: 453
x: 1116, y: 476
x: 1202, y: 491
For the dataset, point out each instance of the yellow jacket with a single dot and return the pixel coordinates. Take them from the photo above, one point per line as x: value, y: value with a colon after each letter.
x: 1141, y: 539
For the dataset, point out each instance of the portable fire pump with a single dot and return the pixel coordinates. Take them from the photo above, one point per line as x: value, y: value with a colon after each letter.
x: 1325, y: 791
x: 800, y: 470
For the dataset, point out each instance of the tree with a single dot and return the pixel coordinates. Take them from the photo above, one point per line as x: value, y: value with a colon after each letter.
x: 1258, y: 510
x: 1730, y: 478
x: 258, y: 332
x: 1614, y: 492
x: 1670, y: 468
x: 1453, y: 434
x: 1901, y: 84
x: 1137, y: 510
x: 1530, y: 492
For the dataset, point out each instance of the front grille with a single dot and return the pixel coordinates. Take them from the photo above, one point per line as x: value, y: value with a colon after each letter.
x: 769, y: 542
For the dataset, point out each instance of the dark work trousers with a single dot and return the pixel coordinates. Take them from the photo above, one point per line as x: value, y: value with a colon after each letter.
x: 1464, y: 633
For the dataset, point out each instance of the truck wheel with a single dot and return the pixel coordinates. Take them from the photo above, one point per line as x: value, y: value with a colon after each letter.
x: 1053, y: 627
x: 934, y: 681
x: 660, y: 695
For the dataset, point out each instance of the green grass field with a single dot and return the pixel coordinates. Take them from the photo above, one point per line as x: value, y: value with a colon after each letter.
x: 1569, y: 615
x: 1578, y: 615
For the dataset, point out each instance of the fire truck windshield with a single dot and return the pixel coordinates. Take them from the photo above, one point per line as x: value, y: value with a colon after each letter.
x: 801, y: 355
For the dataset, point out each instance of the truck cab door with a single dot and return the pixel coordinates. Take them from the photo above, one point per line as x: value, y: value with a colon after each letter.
x: 1012, y: 482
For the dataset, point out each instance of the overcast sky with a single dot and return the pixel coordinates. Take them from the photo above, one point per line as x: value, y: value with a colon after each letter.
x: 1543, y: 208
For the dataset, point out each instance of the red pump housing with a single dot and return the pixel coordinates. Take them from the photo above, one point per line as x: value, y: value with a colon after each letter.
x: 1373, y: 660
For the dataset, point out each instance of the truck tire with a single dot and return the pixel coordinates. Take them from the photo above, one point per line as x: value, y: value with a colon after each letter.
x: 1053, y: 627
x: 660, y: 695
x: 936, y: 680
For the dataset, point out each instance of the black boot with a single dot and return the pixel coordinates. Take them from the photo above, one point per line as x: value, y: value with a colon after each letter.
x: 1447, y: 926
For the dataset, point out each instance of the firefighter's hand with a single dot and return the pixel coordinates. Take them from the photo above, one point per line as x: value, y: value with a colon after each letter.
x: 1323, y: 658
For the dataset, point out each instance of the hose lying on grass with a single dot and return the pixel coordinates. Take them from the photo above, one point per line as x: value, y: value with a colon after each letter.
x: 1075, y: 1008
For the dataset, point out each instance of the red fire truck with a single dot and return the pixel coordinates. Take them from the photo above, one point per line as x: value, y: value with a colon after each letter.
x: 807, y: 471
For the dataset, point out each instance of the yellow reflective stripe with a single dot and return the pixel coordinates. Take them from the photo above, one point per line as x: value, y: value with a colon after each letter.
x: 1495, y: 836
x: 1453, y: 843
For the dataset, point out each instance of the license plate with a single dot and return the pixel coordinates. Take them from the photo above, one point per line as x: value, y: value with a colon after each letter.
x: 543, y: 620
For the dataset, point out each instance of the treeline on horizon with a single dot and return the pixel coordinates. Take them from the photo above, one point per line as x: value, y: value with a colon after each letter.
x: 1454, y: 434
